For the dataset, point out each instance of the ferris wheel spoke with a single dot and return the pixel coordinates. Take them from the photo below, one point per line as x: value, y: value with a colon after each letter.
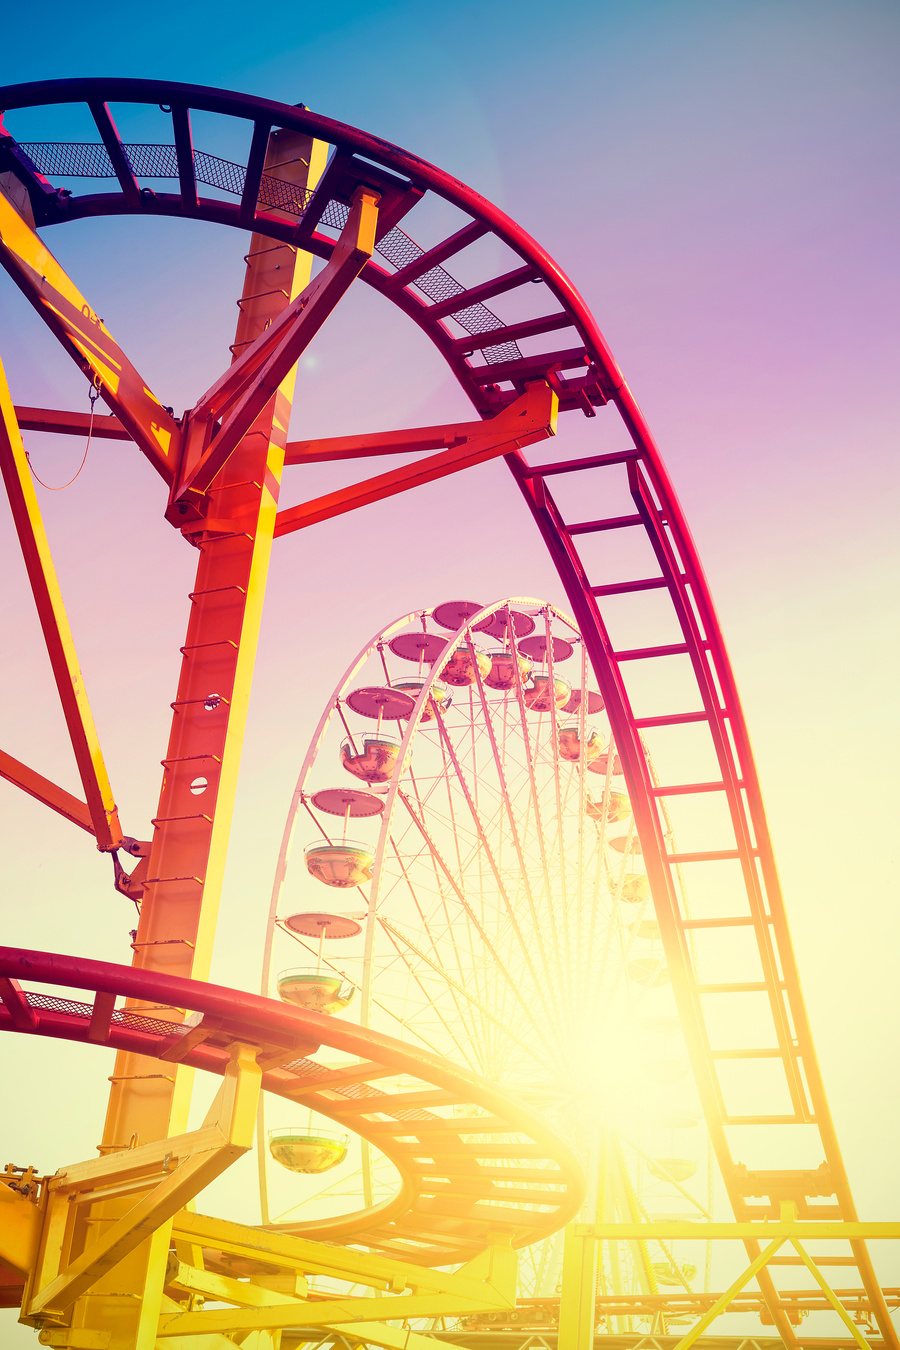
x: 534, y: 796
x: 460, y: 990
x: 498, y: 877
x: 400, y: 942
x: 473, y: 918
x: 455, y: 950
x: 506, y: 807
x: 551, y: 671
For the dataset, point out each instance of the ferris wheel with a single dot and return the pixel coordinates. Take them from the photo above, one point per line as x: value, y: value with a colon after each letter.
x: 496, y: 910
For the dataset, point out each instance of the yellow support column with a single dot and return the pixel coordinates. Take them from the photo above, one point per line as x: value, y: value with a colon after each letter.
x: 186, y: 865
x: 579, y: 1278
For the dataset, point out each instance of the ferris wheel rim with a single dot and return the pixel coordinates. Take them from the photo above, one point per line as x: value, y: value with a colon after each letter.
x: 465, y: 636
x: 453, y: 642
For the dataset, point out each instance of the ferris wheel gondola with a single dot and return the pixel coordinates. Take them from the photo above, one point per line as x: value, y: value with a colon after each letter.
x: 506, y: 908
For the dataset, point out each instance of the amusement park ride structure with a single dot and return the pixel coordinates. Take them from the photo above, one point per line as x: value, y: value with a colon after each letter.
x: 111, y: 1252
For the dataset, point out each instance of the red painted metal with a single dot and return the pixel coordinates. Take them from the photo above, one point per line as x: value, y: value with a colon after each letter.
x: 585, y: 377
x: 71, y: 423
x: 36, y: 785
x: 410, y: 1224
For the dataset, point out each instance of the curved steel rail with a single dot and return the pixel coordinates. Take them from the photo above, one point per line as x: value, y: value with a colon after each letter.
x: 484, y: 354
x: 448, y: 1203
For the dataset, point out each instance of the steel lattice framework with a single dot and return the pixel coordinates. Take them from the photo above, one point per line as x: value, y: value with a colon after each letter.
x: 312, y: 186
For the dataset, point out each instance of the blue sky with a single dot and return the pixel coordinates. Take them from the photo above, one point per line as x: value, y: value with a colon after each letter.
x: 719, y: 179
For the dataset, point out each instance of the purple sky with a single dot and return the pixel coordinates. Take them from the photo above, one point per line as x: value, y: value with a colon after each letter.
x: 719, y: 180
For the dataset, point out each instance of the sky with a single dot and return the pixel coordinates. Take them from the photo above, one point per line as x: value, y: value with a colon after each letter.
x: 719, y: 181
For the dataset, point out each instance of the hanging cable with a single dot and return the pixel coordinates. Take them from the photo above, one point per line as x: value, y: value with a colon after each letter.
x: 93, y: 395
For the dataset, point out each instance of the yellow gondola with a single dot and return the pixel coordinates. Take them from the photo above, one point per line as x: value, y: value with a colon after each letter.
x: 540, y: 698
x: 461, y: 667
x: 308, y: 1150
x: 502, y: 674
x: 568, y: 740
x: 346, y: 864
x: 313, y: 989
x: 375, y: 762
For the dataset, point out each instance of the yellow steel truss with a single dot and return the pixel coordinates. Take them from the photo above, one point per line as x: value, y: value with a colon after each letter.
x: 577, y: 1307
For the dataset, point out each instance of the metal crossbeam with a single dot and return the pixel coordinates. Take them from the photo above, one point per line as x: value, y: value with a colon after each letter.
x: 59, y: 640
x: 87, y: 340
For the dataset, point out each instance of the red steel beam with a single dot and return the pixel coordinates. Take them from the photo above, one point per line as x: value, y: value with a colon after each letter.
x: 373, y: 443
x: 36, y: 785
x: 251, y: 382
x: 233, y: 1014
x: 64, y: 423
x: 531, y: 418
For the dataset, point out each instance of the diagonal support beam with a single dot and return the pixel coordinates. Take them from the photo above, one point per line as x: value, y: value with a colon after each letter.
x: 408, y: 442
x: 829, y: 1293
x: 734, y: 1289
x: 116, y: 151
x: 36, y: 785
x: 87, y: 340
x: 531, y: 418
x: 247, y: 386
x: 488, y: 1281
x: 372, y: 443
x: 225, y: 1289
x: 226, y: 1134
x: 55, y: 625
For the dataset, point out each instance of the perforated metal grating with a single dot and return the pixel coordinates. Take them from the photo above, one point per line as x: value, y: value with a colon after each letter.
x: 153, y: 1026
x: 74, y: 160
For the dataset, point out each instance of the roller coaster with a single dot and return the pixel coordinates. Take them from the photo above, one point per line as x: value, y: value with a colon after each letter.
x: 553, y: 849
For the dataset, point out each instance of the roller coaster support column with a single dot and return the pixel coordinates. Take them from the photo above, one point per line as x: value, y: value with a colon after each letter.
x: 577, y: 1314
x: 180, y: 879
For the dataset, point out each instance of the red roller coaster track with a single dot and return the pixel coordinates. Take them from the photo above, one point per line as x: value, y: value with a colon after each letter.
x: 566, y: 350
x: 424, y: 1222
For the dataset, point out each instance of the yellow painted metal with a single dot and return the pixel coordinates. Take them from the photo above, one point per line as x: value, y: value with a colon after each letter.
x: 392, y: 1338
x: 486, y: 1282
x: 308, y: 1257
x: 85, y: 336
x: 179, y: 1167
x: 20, y: 1230
x: 187, y: 857
x: 577, y: 1311
x: 224, y: 1289
x: 761, y: 1230
x: 54, y: 621
x: 733, y: 1289
x: 75, y: 1340
x: 579, y: 1280
x: 829, y: 1294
